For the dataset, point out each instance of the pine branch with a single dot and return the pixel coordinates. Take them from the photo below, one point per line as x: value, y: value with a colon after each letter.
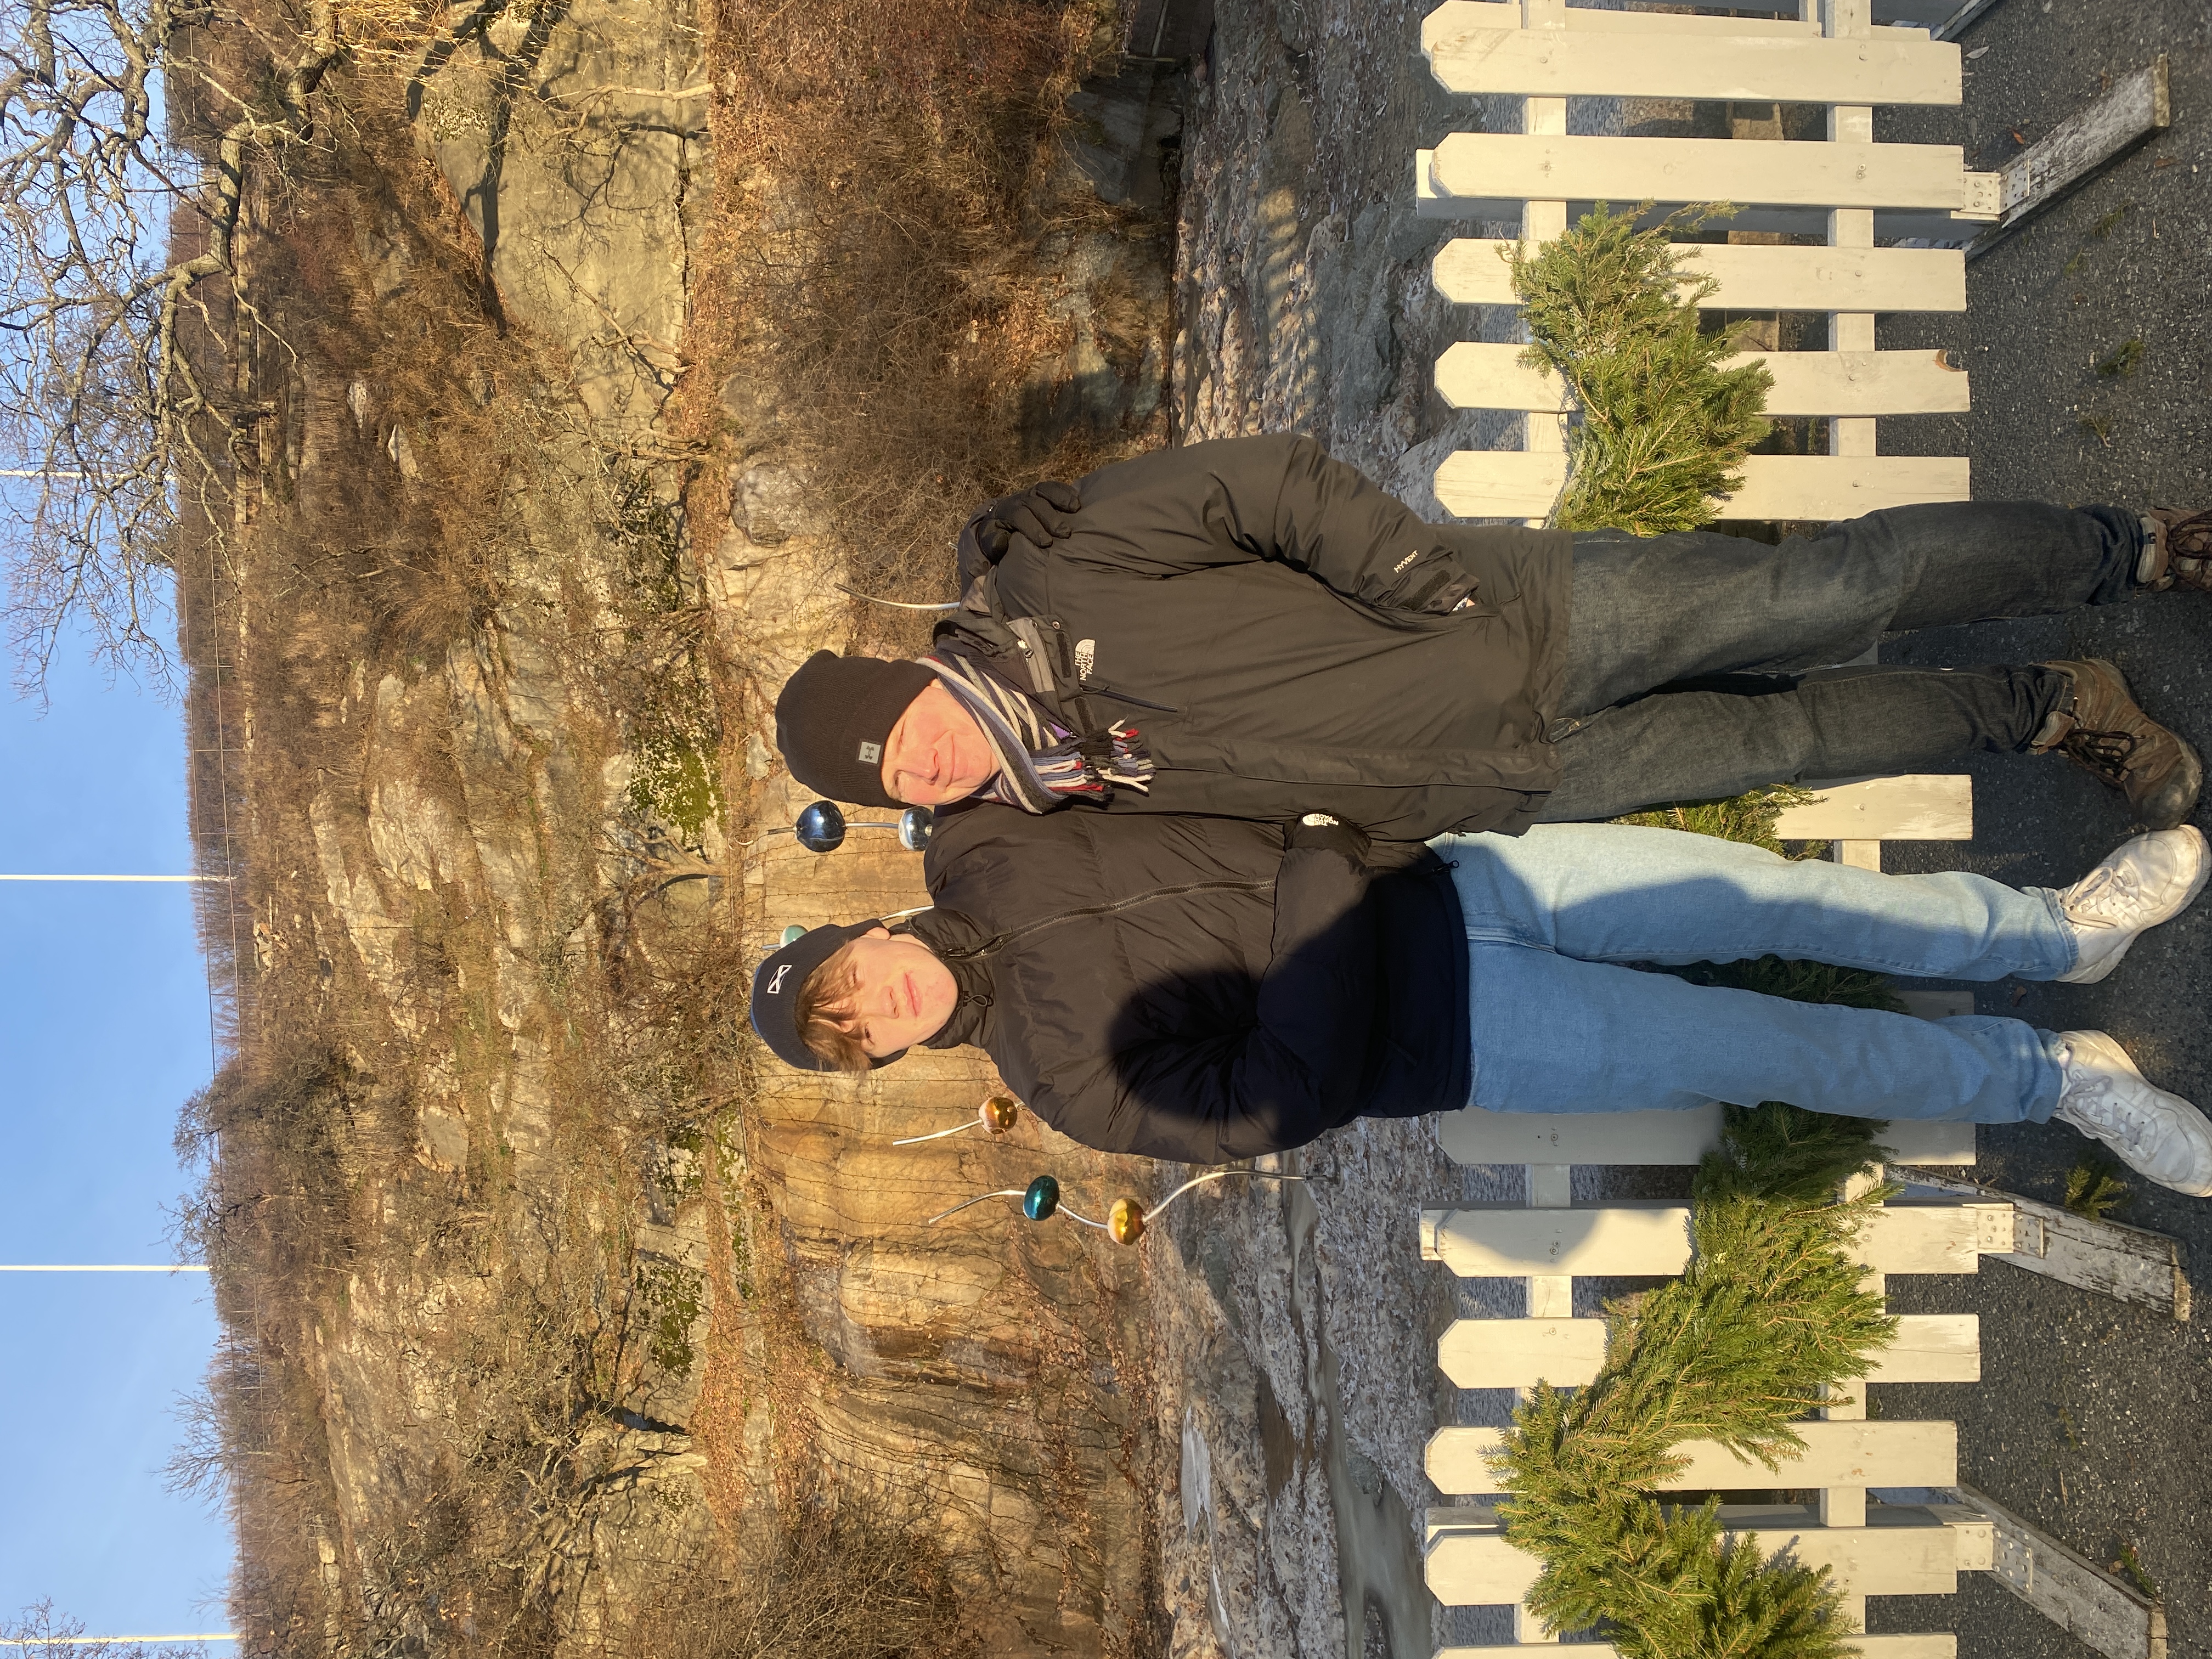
x: 1664, y: 428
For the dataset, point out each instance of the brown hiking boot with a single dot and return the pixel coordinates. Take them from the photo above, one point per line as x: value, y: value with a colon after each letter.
x: 2103, y: 733
x: 2181, y: 549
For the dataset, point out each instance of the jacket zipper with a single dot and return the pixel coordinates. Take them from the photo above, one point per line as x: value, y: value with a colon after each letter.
x: 999, y: 942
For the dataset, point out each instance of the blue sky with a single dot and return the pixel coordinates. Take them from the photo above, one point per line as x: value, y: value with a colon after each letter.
x: 103, y: 1026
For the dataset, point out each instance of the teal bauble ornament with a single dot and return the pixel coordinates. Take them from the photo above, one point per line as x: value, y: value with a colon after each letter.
x: 1041, y: 1198
x: 792, y: 934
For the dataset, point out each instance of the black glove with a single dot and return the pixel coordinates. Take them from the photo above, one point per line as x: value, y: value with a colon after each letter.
x: 1326, y: 829
x: 1041, y: 515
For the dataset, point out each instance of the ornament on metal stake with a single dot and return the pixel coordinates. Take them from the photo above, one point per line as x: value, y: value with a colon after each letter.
x: 820, y: 827
x: 995, y: 1116
x: 1125, y: 1222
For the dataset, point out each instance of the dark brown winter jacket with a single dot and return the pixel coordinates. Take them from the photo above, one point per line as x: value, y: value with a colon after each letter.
x: 1283, y: 633
x: 1195, y: 988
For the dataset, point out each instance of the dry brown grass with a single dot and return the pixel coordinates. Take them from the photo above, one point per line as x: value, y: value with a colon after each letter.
x: 879, y: 280
x: 852, y: 1578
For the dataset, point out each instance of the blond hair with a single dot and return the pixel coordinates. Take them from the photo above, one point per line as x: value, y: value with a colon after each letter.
x: 824, y: 1015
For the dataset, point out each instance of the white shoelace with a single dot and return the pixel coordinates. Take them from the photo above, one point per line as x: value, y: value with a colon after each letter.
x: 2095, y: 1100
x: 2105, y: 898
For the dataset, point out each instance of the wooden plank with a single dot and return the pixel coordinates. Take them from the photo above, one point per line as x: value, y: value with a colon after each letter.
x: 1481, y: 483
x: 1474, y: 1136
x: 1928, y: 1142
x: 1511, y: 1241
x: 1930, y: 228
x: 1932, y: 1348
x: 1951, y: 28
x: 1936, y: 1645
x: 1830, y: 487
x: 2077, y: 149
x: 1518, y: 1354
x: 1932, y: 1238
x: 1934, y: 806
x: 1472, y: 1567
x: 1516, y: 166
x: 1500, y: 483
x: 2075, y: 1593
x: 1457, y: 16
x: 1471, y: 270
x: 1479, y: 57
x: 2129, y: 1264
x: 1674, y: 1140
x: 1474, y: 374
x: 1858, y: 1453
x: 1503, y: 13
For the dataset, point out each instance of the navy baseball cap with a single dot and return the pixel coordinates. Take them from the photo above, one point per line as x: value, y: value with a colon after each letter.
x: 775, y: 993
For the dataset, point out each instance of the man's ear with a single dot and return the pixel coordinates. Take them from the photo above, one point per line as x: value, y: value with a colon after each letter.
x: 878, y: 932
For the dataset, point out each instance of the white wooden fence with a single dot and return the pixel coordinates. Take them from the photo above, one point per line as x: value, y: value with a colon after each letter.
x: 1852, y: 190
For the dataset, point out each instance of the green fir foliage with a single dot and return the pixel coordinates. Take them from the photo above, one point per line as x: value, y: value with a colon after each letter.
x: 1751, y: 817
x: 2094, y: 1187
x: 1769, y: 1315
x: 1663, y: 427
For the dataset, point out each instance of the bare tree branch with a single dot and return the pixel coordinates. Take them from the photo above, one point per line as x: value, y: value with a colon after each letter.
x: 121, y: 404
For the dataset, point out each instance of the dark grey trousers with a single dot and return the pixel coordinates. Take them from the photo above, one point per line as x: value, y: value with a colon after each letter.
x: 1695, y: 661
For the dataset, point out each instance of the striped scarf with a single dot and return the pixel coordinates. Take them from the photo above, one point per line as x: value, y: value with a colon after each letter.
x: 1040, y: 762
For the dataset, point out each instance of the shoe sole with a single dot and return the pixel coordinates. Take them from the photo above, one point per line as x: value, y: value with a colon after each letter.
x: 2196, y: 887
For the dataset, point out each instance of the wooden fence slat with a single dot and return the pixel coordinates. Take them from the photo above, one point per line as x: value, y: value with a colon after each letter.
x: 1509, y: 1241
x: 1831, y: 487
x: 1500, y: 483
x: 1456, y: 15
x: 1471, y: 270
x: 1519, y: 1353
x: 1468, y: 1567
x: 1857, y: 1453
x: 1932, y: 1348
x: 1474, y: 374
x: 1492, y: 483
x: 1676, y: 1140
x: 1936, y: 1645
x: 1516, y: 166
x: 1929, y: 806
x: 1482, y: 57
x: 2108, y: 1257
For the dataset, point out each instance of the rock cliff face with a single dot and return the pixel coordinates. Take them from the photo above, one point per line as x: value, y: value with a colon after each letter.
x: 555, y: 1270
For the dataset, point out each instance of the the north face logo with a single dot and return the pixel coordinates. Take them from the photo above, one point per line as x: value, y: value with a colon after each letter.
x: 871, y: 753
x: 775, y: 980
x: 1086, y: 652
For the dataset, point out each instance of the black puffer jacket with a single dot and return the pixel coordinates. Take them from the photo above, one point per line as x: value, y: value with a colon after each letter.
x: 1188, y: 989
x: 1283, y: 635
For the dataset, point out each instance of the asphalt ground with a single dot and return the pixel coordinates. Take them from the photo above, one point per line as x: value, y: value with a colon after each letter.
x: 2091, y: 1418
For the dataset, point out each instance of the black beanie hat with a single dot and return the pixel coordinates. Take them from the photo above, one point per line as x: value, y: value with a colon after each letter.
x: 833, y: 716
x: 775, y: 993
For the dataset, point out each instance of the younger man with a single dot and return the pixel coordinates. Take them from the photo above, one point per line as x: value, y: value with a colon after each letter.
x: 1208, y: 989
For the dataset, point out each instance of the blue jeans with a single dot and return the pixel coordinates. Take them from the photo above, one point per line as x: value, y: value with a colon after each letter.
x: 1562, y: 1022
x: 1695, y: 662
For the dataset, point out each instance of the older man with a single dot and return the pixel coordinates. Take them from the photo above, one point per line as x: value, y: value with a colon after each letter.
x: 1250, y: 628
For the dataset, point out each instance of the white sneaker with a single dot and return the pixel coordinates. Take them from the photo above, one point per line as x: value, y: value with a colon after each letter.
x: 2142, y: 883
x: 2156, y: 1133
